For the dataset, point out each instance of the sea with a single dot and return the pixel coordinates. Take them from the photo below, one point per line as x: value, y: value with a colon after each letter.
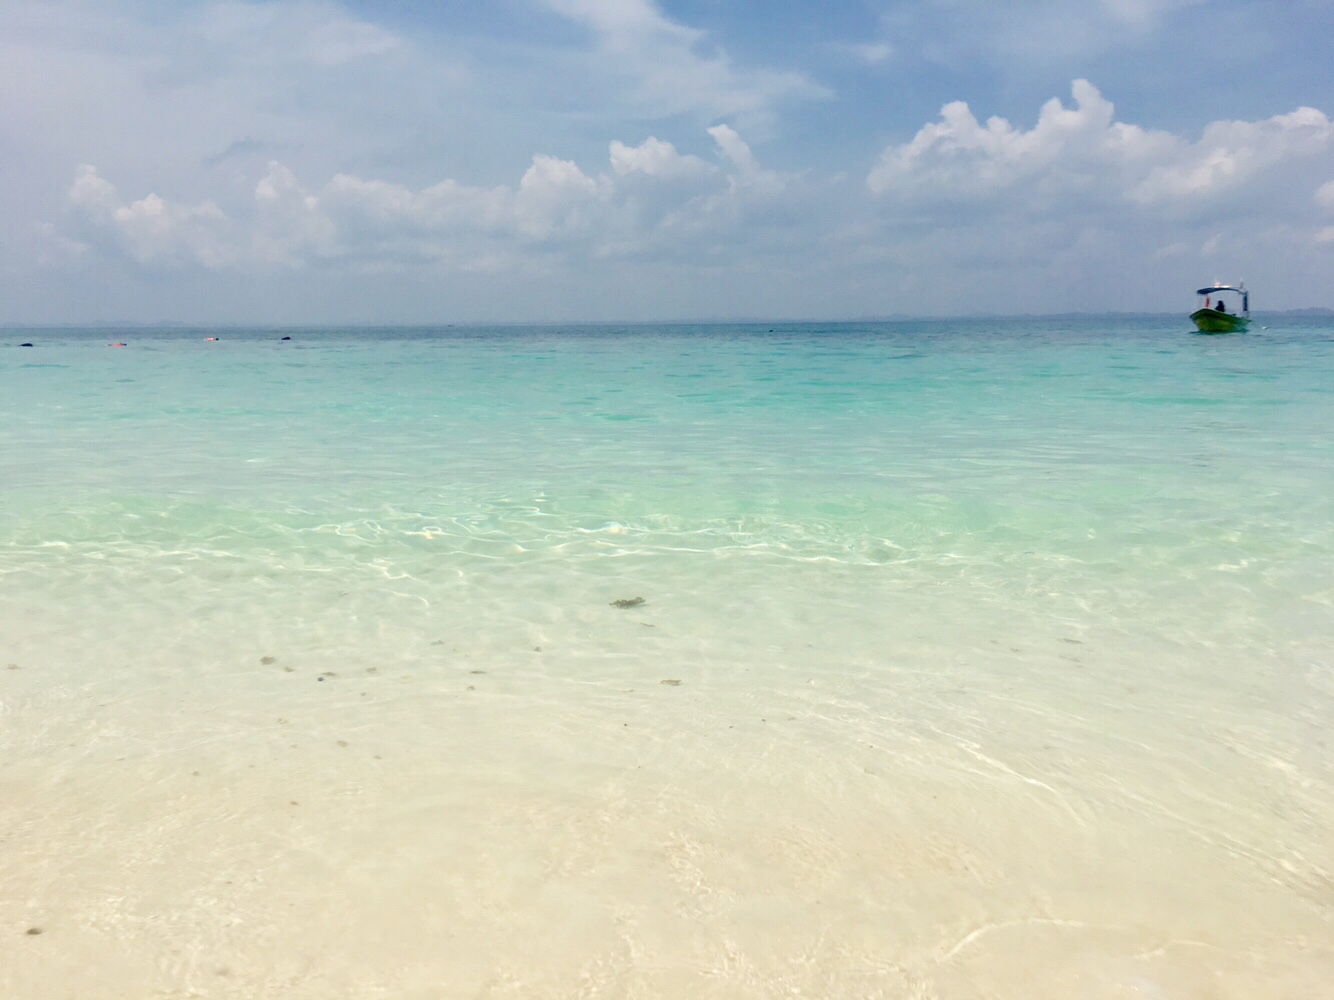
x: 938, y: 660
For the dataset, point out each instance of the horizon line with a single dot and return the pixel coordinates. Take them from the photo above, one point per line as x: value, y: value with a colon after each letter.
x: 702, y: 321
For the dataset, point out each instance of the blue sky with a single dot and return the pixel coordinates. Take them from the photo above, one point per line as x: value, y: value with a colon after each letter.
x: 559, y: 160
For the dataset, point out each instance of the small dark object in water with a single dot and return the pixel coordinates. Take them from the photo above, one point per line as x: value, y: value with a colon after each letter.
x: 27, y: 344
x: 267, y: 659
x: 671, y: 682
x: 286, y: 338
x: 33, y: 930
x: 628, y: 602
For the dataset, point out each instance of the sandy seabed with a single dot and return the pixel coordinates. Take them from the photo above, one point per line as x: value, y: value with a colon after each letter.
x: 631, y: 803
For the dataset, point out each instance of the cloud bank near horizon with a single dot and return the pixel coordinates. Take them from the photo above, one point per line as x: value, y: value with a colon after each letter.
x: 649, y: 201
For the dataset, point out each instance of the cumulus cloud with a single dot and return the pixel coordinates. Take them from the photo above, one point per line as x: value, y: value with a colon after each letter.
x: 650, y: 193
x: 1079, y: 195
x: 1080, y: 157
x: 1325, y: 195
x: 1077, y: 181
x: 747, y: 170
x: 1231, y: 153
x: 655, y: 158
x: 148, y: 230
x: 960, y: 158
x: 381, y: 224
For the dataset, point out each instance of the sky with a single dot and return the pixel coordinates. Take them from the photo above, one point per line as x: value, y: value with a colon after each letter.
x: 466, y: 161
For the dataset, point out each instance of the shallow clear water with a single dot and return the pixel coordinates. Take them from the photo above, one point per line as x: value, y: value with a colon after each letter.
x: 978, y: 659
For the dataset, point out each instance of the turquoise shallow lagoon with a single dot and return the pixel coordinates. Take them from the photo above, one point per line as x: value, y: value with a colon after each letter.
x: 975, y: 659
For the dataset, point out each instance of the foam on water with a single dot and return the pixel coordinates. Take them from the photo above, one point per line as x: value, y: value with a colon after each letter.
x: 976, y: 660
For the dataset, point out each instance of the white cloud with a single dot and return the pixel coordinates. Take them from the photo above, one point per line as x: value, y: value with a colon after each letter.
x: 1076, y: 190
x: 1230, y: 153
x: 337, y: 42
x: 152, y: 91
x: 735, y: 149
x: 364, y: 120
x: 668, y: 68
x: 1024, y: 33
x: 93, y: 194
x: 655, y: 158
x: 290, y: 227
x: 1079, y: 196
x: 873, y: 53
x: 1082, y: 157
x: 652, y: 201
x: 747, y: 170
x: 958, y: 157
x: 151, y: 230
x: 1324, y: 195
x: 628, y: 25
x: 315, y: 32
x: 554, y: 197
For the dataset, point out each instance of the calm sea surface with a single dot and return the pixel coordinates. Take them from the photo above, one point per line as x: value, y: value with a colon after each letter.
x: 960, y: 660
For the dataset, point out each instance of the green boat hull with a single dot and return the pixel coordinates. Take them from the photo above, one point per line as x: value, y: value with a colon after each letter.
x: 1213, y: 321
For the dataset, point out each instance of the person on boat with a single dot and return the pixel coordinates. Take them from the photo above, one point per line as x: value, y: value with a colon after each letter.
x: 1222, y: 306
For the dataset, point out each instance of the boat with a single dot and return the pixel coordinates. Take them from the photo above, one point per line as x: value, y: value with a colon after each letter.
x: 1213, y: 315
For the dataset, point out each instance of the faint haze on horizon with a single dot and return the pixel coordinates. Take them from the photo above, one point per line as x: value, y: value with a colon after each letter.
x: 393, y: 162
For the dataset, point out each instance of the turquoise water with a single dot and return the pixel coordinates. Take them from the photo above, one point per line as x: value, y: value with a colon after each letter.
x: 999, y: 656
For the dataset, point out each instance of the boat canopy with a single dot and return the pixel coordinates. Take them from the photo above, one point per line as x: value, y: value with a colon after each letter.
x: 1239, y: 289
